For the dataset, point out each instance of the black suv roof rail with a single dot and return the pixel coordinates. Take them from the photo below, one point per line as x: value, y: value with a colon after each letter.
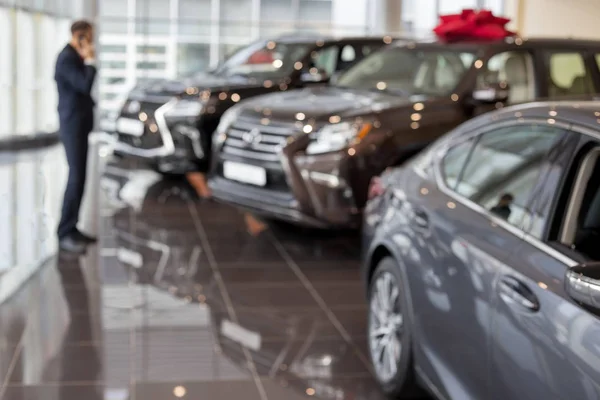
x: 300, y: 35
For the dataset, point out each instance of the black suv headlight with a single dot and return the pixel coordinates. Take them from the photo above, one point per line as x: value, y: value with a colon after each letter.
x: 185, y: 108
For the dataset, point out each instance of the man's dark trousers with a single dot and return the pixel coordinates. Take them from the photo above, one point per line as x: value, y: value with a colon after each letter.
x: 74, y: 81
x: 74, y: 136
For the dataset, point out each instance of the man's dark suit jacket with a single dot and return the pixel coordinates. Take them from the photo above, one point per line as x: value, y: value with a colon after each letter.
x: 74, y: 80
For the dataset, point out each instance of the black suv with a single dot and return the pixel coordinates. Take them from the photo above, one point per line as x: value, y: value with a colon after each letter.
x: 170, y: 123
x: 308, y: 155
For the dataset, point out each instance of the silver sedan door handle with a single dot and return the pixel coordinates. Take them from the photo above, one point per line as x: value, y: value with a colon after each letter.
x: 515, y: 292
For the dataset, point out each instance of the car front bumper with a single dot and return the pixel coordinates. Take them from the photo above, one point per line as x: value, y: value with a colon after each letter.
x: 176, y: 153
x: 316, y: 193
x: 172, y: 163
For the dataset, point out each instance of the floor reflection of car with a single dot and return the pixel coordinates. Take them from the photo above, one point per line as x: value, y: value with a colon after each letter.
x: 481, y: 258
x: 288, y: 346
x: 146, y: 240
x: 170, y: 123
x: 307, y: 155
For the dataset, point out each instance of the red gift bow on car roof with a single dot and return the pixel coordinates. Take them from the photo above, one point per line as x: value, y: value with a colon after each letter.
x: 471, y: 24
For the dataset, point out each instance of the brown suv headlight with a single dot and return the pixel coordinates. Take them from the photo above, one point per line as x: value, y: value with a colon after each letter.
x: 336, y: 137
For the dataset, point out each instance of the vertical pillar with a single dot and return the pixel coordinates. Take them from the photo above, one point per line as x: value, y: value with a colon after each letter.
x: 89, y: 210
x: 172, y: 47
x: 520, y: 17
x: 87, y: 9
x: 385, y: 16
x: 515, y: 10
x: 13, y: 71
x: 255, y: 19
x: 295, y: 13
x: 215, y: 32
x: 511, y: 10
x: 393, y: 16
x: 91, y: 204
x: 131, y: 44
x: 350, y: 19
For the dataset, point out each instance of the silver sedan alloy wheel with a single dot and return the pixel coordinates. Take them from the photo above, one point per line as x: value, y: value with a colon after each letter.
x: 385, y: 326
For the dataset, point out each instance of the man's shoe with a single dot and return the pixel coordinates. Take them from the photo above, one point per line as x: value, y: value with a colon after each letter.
x: 84, y: 238
x: 70, y: 244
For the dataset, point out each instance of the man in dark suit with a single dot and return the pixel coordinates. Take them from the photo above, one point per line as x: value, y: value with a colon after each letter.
x: 75, y: 73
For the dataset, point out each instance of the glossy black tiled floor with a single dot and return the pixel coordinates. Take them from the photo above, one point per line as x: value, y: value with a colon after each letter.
x: 192, y: 299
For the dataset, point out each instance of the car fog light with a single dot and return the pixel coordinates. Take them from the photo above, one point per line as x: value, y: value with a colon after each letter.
x: 329, y: 180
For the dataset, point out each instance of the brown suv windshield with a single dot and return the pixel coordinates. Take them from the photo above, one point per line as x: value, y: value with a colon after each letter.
x: 407, y: 71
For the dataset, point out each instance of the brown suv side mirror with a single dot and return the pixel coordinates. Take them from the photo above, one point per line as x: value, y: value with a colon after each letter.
x: 492, y: 93
x: 582, y: 284
x: 335, y: 76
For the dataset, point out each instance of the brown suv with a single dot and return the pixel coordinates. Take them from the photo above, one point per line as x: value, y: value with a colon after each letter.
x: 307, y: 156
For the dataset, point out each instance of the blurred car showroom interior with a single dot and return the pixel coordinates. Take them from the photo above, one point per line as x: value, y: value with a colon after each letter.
x: 299, y: 199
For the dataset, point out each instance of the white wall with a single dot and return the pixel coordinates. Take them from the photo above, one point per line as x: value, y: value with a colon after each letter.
x: 555, y: 18
x: 7, y: 89
x: 576, y: 18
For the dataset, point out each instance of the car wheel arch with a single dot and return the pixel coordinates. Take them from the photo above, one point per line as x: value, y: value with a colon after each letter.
x: 379, y: 253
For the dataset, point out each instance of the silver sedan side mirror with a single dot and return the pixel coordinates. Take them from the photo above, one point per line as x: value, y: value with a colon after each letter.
x: 582, y: 284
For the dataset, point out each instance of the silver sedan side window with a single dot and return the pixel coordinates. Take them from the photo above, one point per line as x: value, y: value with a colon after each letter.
x: 500, y: 171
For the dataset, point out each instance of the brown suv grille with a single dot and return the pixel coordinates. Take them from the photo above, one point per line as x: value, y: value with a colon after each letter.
x: 253, y: 140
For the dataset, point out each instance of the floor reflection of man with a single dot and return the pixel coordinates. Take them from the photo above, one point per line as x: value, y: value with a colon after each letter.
x: 80, y: 330
x: 502, y: 209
